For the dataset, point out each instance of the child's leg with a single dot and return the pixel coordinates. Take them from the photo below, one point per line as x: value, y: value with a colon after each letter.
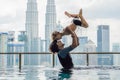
x: 83, y: 21
x: 72, y: 15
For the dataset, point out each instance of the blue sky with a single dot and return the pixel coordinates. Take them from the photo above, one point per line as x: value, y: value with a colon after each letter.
x: 106, y: 12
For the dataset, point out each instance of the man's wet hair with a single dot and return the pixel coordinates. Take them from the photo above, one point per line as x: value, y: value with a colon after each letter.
x: 54, y: 47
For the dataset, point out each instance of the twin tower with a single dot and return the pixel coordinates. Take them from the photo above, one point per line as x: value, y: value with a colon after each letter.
x: 32, y: 25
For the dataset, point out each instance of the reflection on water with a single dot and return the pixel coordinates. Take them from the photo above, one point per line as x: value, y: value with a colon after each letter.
x: 45, y: 73
x: 65, y: 74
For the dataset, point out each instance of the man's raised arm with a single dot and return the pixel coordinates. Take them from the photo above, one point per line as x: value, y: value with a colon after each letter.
x: 75, y: 41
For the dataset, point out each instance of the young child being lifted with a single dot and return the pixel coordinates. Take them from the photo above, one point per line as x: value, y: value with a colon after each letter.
x: 78, y: 20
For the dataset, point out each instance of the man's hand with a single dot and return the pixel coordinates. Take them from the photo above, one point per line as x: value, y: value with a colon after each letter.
x: 75, y: 41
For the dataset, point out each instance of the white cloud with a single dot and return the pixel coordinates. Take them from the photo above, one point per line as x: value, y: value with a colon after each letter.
x: 7, y: 7
x: 104, y: 9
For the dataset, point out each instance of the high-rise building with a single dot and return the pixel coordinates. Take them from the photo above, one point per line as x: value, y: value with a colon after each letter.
x: 22, y: 36
x: 11, y: 36
x: 116, y: 48
x: 42, y: 46
x: 103, y: 38
x: 82, y: 40
x: 39, y: 44
x: 31, y: 26
x: 80, y: 59
x: 31, y: 44
x: 50, y: 22
x: 59, y: 27
x: 91, y: 47
x: 14, y: 47
x: 3, y: 48
x: 103, y: 45
x: 3, y: 42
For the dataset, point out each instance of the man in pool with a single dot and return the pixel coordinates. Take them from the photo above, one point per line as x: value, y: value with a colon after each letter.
x: 63, y: 53
x: 77, y: 21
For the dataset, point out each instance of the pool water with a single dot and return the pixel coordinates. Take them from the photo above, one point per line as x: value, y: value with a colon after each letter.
x: 47, y: 73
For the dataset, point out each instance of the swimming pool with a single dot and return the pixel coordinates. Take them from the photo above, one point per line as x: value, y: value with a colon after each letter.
x: 49, y: 73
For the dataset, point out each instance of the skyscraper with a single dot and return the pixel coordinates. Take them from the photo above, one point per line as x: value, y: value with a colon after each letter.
x: 3, y: 48
x: 13, y: 59
x: 42, y: 46
x: 31, y: 33
x: 15, y: 47
x: 103, y: 45
x: 31, y: 26
x: 50, y: 22
x: 22, y: 36
x: 11, y: 36
x: 82, y: 40
x: 80, y: 59
x: 116, y: 48
x: 3, y: 42
x: 91, y: 47
x: 103, y: 38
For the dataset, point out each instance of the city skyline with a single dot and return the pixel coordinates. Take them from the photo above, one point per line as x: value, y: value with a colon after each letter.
x: 96, y: 14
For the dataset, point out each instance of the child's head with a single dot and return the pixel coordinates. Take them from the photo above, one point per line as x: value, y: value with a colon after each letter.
x: 56, y: 35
